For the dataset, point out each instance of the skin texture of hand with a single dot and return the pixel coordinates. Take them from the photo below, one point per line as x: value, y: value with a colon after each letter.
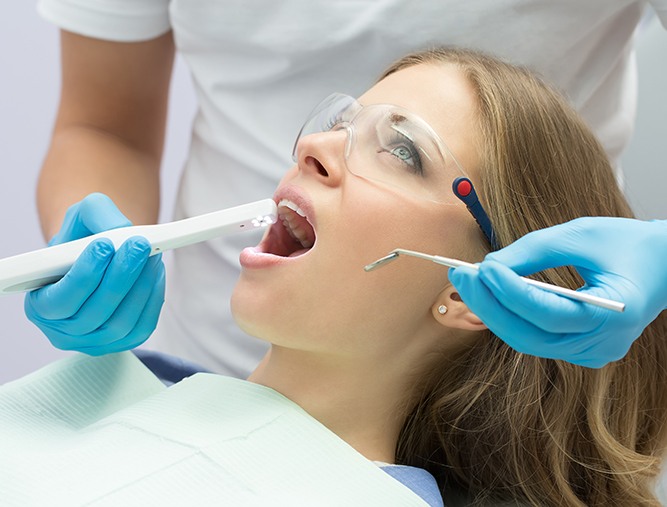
x: 618, y: 258
x: 109, y: 301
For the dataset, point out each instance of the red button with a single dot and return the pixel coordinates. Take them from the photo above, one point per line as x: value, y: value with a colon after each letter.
x: 464, y: 187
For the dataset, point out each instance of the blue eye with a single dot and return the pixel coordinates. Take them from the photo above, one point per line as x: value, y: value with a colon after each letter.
x: 407, y: 154
x: 404, y: 154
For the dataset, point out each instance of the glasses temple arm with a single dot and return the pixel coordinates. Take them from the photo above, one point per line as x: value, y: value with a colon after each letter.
x: 465, y: 191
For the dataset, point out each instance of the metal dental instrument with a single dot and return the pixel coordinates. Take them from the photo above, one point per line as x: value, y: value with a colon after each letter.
x: 455, y: 263
x: 35, y: 269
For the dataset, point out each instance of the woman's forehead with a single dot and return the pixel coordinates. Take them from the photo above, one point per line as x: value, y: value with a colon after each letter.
x: 428, y: 90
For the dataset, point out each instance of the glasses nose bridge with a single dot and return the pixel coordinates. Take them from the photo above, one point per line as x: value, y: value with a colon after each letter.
x: 349, y: 128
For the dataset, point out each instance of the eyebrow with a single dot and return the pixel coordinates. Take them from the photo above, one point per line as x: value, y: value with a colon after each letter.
x: 398, y: 118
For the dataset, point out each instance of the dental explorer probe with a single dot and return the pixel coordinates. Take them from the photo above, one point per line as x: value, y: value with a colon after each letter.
x: 455, y: 263
x: 35, y: 269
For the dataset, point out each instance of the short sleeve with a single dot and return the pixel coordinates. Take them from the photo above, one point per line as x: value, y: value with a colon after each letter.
x: 114, y: 20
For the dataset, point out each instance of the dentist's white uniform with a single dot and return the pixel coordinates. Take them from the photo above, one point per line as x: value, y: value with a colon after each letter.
x: 260, y: 66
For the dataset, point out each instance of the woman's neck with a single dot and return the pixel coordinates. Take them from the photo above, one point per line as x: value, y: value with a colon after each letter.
x: 362, y: 402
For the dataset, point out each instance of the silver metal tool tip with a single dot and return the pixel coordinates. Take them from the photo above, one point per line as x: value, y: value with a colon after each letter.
x: 381, y: 262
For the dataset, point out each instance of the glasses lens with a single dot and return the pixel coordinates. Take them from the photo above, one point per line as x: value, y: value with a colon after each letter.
x: 389, y: 145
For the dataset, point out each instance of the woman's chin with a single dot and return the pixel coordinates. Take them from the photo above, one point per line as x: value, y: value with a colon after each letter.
x: 242, y: 307
x: 252, y: 310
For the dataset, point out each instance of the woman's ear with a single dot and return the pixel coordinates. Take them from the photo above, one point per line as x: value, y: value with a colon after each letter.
x: 450, y: 311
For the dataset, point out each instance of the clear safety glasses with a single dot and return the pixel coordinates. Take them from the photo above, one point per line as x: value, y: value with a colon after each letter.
x: 395, y: 147
x: 389, y: 145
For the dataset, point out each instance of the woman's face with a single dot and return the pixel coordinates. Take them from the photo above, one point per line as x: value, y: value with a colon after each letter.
x: 320, y: 298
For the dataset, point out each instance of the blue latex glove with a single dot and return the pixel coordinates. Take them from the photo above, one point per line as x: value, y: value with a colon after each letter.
x: 621, y: 259
x: 108, y: 301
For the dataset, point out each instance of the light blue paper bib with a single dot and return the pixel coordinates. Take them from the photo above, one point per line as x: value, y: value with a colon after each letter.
x: 106, y: 432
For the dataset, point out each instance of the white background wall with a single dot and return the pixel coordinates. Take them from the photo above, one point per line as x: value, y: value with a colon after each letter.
x: 645, y: 160
x: 29, y: 87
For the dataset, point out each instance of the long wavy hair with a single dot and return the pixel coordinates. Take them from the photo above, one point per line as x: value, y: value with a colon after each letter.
x: 503, y: 425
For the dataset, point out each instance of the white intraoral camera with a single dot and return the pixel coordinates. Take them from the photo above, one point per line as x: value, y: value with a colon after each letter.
x: 35, y: 269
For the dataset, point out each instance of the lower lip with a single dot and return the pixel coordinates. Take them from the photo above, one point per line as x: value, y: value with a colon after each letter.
x: 253, y: 258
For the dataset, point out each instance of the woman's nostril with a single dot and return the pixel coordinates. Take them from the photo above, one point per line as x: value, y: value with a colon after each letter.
x: 322, y: 170
x: 319, y: 166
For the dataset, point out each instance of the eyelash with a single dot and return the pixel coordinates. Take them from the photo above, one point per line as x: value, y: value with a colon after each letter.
x: 332, y: 122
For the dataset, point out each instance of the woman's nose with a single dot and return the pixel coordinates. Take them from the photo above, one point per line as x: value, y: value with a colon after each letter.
x: 323, y: 156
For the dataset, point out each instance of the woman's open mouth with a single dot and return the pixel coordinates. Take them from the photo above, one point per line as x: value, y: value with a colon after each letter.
x: 293, y: 235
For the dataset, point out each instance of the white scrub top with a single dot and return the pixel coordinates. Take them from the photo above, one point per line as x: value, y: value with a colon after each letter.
x: 260, y: 66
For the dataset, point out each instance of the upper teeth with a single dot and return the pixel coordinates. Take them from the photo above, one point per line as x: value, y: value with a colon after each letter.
x: 289, y: 204
x: 294, y: 228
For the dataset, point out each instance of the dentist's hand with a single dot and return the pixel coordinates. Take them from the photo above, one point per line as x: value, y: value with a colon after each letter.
x: 621, y: 259
x: 108, y: 301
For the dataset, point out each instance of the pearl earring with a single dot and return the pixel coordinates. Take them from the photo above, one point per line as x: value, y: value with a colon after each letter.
x: 442, y: 309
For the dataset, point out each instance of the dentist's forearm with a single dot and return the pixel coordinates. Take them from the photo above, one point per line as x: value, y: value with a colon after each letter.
x: 108, y: 135
x: 82, y: 160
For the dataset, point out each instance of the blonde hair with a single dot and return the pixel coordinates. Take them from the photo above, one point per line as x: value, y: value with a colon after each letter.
x: 505, y: 425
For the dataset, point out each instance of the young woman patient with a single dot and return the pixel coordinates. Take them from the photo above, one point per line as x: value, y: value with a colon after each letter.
x: 392, y: 361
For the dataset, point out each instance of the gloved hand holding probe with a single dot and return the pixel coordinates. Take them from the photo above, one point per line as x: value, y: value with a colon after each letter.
x: 618, y: 258
x: 109, y: 300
